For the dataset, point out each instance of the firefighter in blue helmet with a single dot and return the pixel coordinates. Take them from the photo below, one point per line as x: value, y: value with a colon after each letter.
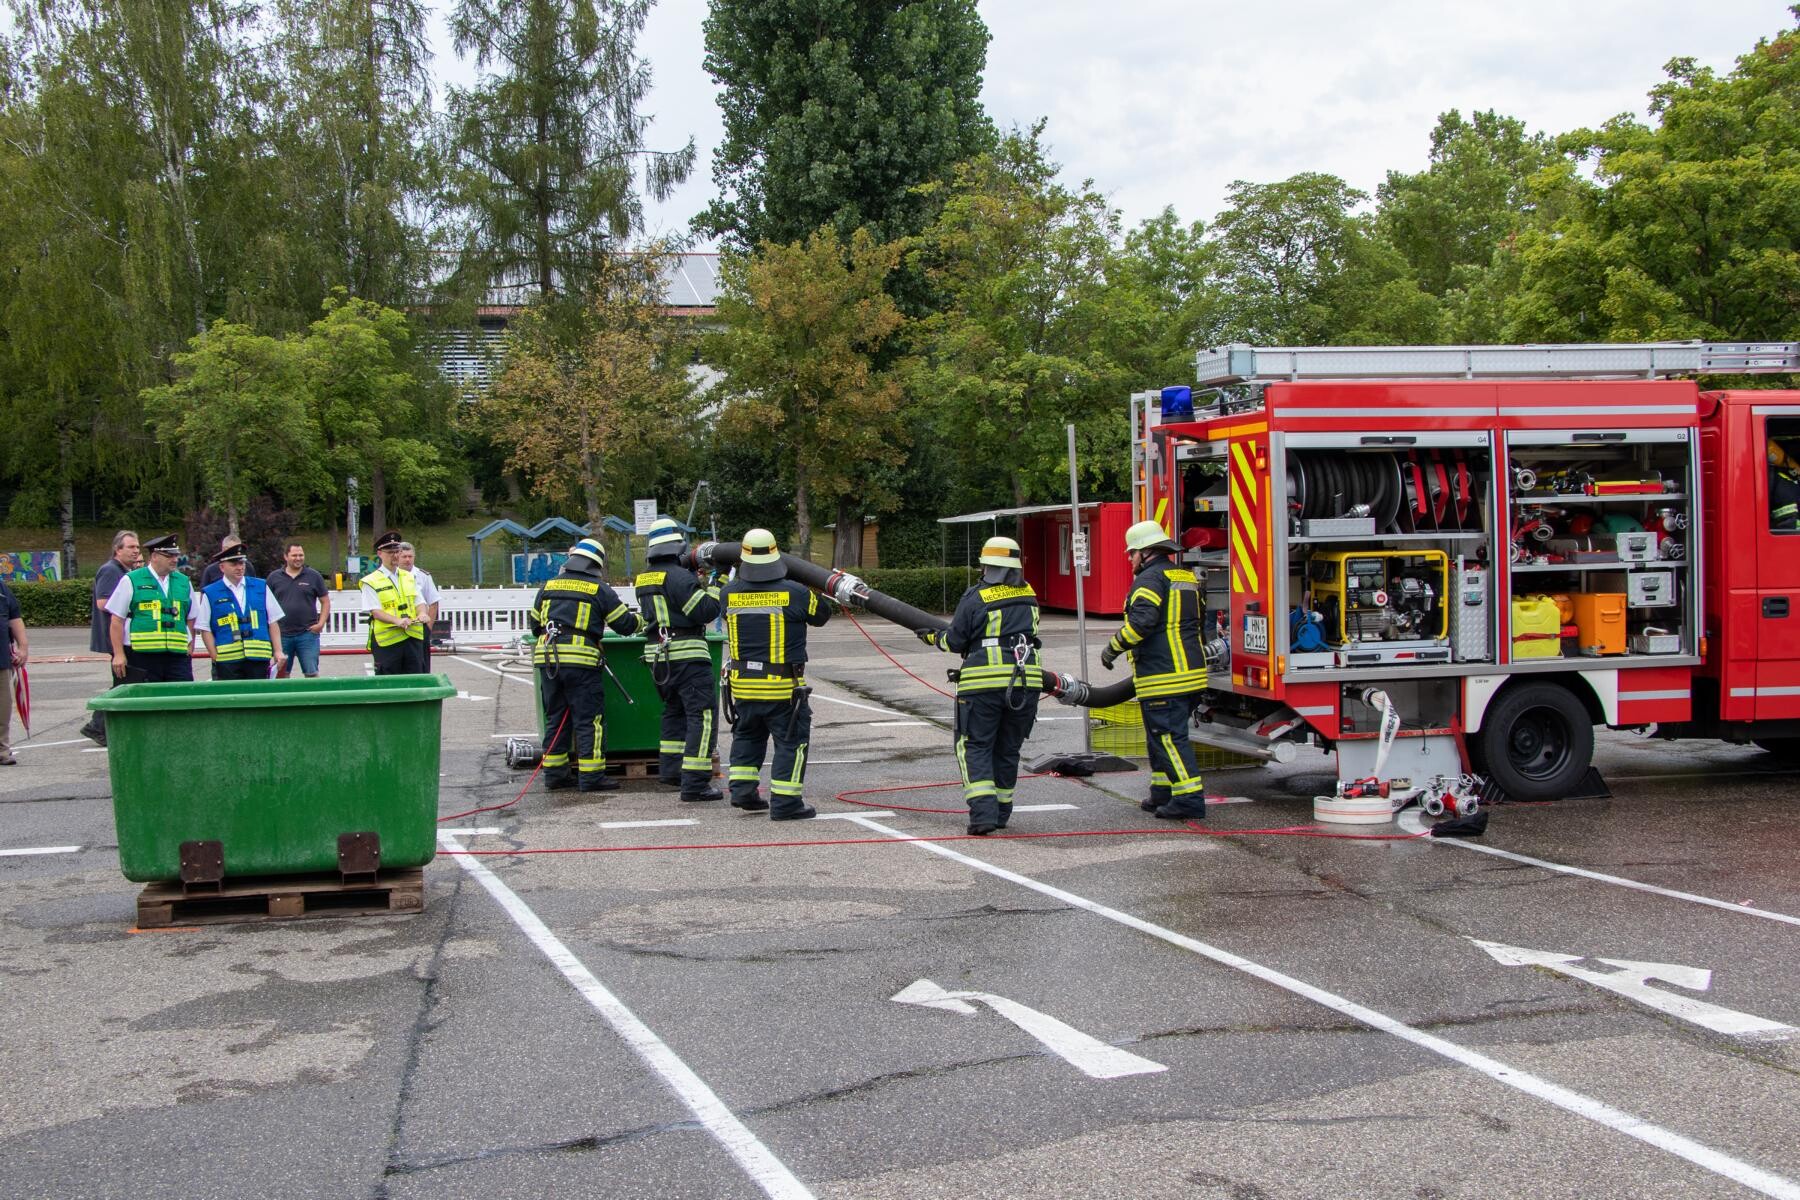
x: 1161, y: 633
x: 569, y: 617
x: 766, y: 619
x: 995, y: 629
x: 677, y: 608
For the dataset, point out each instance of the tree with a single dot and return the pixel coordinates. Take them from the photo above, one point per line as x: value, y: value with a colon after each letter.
x: 1026, y: 340
x: 550, y: 144
x: 1298, y: 266
x: 1691, y: 227
x: 579, y: 422
x: 368, y: 407
x: 805, y: 325
x: 1168, y: 268
x: 836, y: 109
x: 239, y: 412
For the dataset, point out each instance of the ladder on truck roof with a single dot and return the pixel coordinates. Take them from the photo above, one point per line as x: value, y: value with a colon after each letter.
x: 1238, y: 363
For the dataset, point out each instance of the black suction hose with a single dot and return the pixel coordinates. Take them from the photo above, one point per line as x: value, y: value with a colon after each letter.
x: 1066, y: 688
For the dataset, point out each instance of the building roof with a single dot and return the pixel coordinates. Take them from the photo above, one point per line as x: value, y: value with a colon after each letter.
x: 993, y: 514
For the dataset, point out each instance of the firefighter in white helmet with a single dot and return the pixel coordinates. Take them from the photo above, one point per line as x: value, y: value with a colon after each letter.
x: 1161, y: 633
x: 995, y: 629
x: 766, y: 619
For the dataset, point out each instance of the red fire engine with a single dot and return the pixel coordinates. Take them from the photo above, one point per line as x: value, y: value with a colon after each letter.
x: 1504, y: 545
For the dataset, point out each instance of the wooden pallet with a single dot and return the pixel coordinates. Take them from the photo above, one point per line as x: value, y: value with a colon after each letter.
x: 281, y: 898
x: 640, y: 766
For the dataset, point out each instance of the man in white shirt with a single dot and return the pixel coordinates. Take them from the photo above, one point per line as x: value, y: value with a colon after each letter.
x: 406, y: 557
x: 152, y: 613
x: 239, y: 618
x: 397, y: 628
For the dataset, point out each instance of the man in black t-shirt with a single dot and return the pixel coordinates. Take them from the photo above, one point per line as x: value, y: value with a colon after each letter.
x: 127, y: 556
x: 305, y: 604
x: 13, y: 653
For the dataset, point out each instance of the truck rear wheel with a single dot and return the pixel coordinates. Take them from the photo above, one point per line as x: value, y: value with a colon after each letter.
x: 1537, y: 741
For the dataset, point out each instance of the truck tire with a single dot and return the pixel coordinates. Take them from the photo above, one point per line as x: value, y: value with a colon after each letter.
x: 1537, y: 741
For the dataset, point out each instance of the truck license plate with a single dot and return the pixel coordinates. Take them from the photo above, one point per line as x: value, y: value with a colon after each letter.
x: 1256, y: 635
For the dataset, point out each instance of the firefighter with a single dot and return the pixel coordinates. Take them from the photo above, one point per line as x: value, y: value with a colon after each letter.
x: 766, y: 619
x: 995, y: 629
x: 569, y: 617
x: 1161, y: 633
x: 1784, y: 490
x: 677, y: 608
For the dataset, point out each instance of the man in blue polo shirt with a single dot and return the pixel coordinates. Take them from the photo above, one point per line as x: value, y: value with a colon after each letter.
x: 126, y: 557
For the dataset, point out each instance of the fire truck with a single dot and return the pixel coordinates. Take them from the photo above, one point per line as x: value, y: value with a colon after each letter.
x: 1504, y: 546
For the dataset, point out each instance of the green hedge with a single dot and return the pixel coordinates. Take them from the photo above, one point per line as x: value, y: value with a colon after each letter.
x: 934, y: 589
x: 67, y: 602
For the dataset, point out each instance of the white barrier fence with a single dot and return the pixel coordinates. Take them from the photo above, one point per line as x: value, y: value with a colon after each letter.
x: 477, y: 616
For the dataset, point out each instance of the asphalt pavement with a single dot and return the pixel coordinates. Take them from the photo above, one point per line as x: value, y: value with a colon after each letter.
x: 1597, y: 999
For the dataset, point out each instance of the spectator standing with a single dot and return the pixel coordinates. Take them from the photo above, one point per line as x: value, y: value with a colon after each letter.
x: 153, y: 619
x: 396, y: 628
x: 428, y: 593
x: 212, y: 574
x: 127, y: 556
x: 305, y: 604
x: 13, y: 653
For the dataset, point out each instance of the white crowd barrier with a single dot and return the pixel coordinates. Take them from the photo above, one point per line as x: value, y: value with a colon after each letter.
x: 477, y: 616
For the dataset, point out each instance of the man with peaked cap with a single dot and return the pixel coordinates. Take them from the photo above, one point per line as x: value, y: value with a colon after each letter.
x: 995, y: 629
x: 766, y: 619
x: 152, y: 613
x: 677, y: 608
x: 397, y: 626
x: 570, y: 617
x: 1161, y: 633
x: 214, y: 570
x: 239, y: 619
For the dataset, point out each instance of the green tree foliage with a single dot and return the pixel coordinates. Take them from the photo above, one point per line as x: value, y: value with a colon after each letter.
x: 583, y: 423
x: 1027, y: 339
x: 1168, y: 271
x: 1692, y: 225
x: 238, y: 410
x: 835, y: 109
x: 1299, y: 266
x: 550, y: 142
x: 805, y: 326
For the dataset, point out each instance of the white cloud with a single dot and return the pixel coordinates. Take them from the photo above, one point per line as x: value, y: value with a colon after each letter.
x: 1162, y: 102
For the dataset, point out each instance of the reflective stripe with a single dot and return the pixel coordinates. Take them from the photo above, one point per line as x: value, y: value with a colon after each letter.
x: 667, y: 747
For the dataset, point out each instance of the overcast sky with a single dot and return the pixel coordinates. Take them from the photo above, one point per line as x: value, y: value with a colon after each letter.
x: 1166, y: 102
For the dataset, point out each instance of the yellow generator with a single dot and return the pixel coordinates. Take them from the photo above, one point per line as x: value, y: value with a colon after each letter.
x: 1382, y: 596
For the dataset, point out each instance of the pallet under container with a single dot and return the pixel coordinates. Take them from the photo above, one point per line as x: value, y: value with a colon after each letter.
x: 260, y: 799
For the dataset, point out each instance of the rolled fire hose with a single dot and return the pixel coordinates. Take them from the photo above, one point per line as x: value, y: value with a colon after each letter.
x: 848, y: 590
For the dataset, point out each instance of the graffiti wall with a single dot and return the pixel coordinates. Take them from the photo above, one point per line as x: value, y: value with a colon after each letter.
x: 30, y: 566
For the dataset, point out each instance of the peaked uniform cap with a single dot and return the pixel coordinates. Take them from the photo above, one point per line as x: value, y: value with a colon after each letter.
x: 389, y: 540
x: 166, y: 544
x: 232, y: 553
x: 1001, y: 552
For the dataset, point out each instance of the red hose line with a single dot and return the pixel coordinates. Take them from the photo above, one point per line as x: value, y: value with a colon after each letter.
x: 851, y: 617
x: 536, y: 771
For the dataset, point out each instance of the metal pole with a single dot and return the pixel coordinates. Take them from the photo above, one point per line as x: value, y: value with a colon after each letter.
x: 1077, y: 542
x: 350, y: 520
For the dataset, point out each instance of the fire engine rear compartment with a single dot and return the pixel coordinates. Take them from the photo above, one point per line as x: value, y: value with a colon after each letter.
x: 1511, y: 561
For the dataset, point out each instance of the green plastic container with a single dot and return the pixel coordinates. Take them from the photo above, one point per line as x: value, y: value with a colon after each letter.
x: 634, y: 725
x: 274, y: 770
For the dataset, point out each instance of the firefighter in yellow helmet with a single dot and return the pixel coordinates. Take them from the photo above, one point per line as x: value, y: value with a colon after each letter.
x: 1161, y: 633
x: 995, y: 629
x: 766, y: 619
x: 1784, y: 489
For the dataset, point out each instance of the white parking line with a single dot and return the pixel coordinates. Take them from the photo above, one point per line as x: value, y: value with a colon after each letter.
x: 466, y: 832
x: 1019, y: 808
x: 893, y: 724
x: 456, y: 658
x: 852, y: 816
x: 757, y: 1160
x: 1703, y: 1156
x: 47, y: 745
x: 1413, y: 822
x: 886, y: 712
x: 647, y: 824
x: 39, y: 850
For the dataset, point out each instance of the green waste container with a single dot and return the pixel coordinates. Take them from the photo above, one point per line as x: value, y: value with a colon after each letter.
x: 631, y: 728
x: 274, y: 770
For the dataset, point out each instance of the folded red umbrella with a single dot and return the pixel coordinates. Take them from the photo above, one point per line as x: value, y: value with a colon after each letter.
x: 22, y: 697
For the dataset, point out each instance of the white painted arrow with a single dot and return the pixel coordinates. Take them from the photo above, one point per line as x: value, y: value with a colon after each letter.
x: 464, y: 695
x: 1632, y: 980
x: 1089, y: 1055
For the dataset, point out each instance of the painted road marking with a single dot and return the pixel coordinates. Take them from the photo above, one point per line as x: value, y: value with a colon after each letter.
x: 886, y: 712
x: 512, y: 735
x: 47, y: 745
x: 1089, y: 1055
x: 1703, y: 1156
x: 757, y: 1160
x: 851, y: 816
x: 1414, y: 822
x: 1019, y: 808
x: 95, y: 750
x: 471, y: 696
x: 647, y: 824
x: 39, y: 850
x: 489, y: 829
x: 893, y: 724
x: 524, y: 679
x: 1632, y: 981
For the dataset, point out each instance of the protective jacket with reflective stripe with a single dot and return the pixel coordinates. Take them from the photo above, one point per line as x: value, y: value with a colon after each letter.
x: 398, y: 596
x: 990, y: 624
x: 159, y: 623
x: 237, y: 633
x: 571, y: 614
x: 765, y: 630
x: 676, y: 606
x: 1784, y: 499
x: 1162, y: 630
